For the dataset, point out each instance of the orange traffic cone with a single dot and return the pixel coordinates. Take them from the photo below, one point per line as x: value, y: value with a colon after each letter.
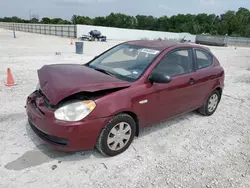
x: 10, y: 79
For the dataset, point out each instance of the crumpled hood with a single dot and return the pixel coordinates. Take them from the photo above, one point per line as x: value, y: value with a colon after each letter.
x: 62, y: 80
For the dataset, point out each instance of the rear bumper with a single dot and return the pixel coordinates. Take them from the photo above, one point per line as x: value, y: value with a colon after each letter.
x: 65, y: 136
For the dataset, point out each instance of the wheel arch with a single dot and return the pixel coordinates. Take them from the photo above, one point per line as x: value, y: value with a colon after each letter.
x: 136, y: 119
x: 219, y: 89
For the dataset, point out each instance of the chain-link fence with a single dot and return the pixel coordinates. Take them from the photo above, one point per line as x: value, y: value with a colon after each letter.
x: 45, y: 29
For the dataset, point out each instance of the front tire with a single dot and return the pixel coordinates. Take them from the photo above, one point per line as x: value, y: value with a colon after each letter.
x: 117, y: 135
x: 211, y: 104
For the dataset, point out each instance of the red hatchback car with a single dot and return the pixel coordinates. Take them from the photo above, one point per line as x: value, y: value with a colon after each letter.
x: 106, y: 102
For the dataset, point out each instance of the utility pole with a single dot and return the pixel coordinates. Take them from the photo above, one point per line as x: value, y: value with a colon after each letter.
x: 30, y: 14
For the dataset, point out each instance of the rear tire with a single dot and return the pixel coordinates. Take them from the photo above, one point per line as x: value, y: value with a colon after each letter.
x: 117, y: 135
x: 211, y: 104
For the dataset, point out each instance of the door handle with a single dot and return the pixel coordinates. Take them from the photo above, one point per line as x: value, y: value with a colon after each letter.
x: 191, y: 81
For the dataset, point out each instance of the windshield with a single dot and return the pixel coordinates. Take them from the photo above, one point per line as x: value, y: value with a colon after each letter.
x: 125, y: 61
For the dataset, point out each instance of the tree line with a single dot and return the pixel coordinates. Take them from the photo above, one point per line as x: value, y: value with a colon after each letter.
x: 232, y: 23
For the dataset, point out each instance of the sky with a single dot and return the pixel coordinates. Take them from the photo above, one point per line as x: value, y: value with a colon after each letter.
x: 92, y: 8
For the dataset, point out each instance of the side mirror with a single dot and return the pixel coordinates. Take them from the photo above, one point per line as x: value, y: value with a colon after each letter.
x: 157, y: 77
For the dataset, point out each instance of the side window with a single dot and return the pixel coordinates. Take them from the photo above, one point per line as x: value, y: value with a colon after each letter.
x: 217, y: 61
x: 176, y: 63
x: 204, y: 59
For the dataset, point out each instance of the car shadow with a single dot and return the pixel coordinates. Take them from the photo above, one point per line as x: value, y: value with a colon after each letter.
x: 44, y: 153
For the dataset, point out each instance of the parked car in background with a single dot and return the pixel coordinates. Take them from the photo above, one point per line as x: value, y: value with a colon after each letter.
x: 106, y: 102
x: 94, y: 35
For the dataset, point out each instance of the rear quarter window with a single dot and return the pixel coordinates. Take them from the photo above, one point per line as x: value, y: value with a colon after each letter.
x: 204, y: 59
x: 216, y: 61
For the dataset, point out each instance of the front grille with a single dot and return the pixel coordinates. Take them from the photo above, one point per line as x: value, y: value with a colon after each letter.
x: 49, y: 138
x: 39, y: 93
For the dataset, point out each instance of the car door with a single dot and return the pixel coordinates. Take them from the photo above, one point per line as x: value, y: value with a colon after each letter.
x: 204, y: 76
x: 177, y: 96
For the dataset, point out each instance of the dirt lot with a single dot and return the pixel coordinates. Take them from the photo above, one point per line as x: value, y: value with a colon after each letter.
x: 188, y: 151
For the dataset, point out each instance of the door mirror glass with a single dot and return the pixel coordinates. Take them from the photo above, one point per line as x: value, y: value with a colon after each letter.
x: 157, y: 77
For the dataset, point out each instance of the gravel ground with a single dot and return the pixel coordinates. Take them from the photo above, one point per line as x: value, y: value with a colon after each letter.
x: 187, y: 151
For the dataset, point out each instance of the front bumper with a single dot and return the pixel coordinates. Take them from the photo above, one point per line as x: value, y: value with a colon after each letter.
x: 65, y: 136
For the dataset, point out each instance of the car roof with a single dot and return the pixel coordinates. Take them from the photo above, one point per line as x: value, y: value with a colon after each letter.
x: 163, y: 44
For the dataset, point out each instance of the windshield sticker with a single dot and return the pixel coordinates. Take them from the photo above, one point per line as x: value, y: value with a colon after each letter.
x: 135, y: 72
x: 150, y: 51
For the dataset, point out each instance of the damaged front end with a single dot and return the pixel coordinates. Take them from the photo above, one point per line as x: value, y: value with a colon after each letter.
x: 81, y: 96
x: 75, y: 107
x: 57, y: 82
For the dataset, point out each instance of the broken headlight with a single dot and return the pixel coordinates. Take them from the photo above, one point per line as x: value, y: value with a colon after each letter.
x: 75, y: 111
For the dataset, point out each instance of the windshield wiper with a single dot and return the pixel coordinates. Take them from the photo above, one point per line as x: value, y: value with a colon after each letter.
x: 104, y: 71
